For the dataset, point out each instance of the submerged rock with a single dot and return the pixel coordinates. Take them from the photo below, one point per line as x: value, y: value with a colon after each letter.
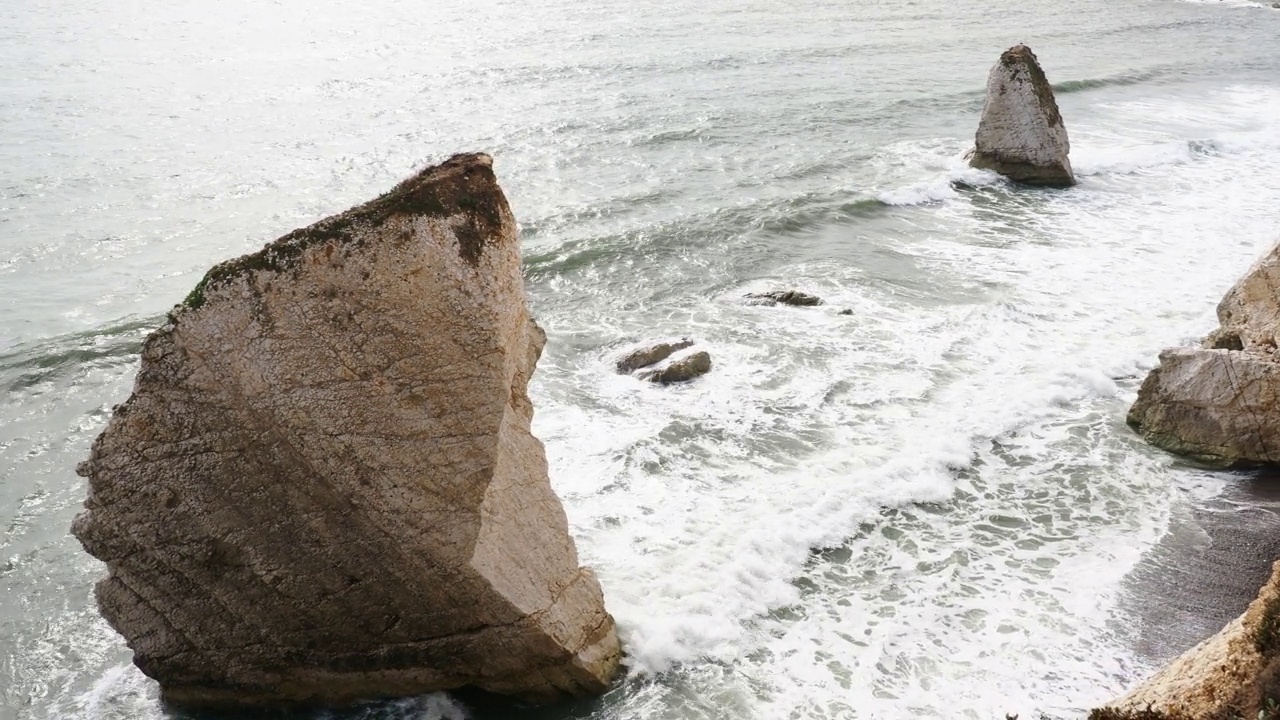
x: 1231, y: 675
x: 1021, y: 134
x: 651, y: 355
x: 1220, y: 403
x: 324, y: 487
x: 681, y: 369
x: 785, y: 297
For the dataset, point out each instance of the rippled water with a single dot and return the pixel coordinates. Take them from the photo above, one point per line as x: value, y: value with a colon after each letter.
x: 925, y: 509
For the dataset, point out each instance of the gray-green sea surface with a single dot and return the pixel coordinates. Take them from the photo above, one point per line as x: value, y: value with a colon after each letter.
x: 925, y: 509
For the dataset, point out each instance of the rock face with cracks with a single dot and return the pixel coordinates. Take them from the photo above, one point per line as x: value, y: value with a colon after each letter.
x: 1220, y: 403
x: 324, y: 488
x: 1021, y: 134
x: 1233, y: 674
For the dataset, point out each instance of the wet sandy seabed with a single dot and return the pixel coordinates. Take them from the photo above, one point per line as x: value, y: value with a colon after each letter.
x: 1206, y: 569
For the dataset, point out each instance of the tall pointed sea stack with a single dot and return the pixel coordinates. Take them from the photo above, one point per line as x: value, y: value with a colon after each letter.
x: 324, y: 487
x: 1021, y: 134
x: 1220, y: 402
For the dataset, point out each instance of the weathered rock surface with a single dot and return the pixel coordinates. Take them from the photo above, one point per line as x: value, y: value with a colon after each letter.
x: 785, y: 297
x: 1249, y: 314
x: 1220, y: 403
x: 651, y: 355
x: 324, y: 487
x: 1230, y: 675
x: 1021, y: 134
x: 680, y: 369
x: 1218, y: 406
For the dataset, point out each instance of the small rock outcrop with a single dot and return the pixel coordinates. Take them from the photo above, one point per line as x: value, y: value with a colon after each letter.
x: 1220, y: 403
x: 785, y: 297
x: 1234, y: 674
x: 681, y: 369
x: 324, y: 488
x: 651, y: 355
x: 1021, y: 134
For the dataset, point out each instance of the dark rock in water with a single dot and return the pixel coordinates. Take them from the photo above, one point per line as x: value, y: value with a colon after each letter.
x: 651, y: 355
x: 681, y: 369
x: 1220, y: 402
x: 1021, y: 134
x: 786, y: 297
x: 846, y: 311
x: 324, y: 488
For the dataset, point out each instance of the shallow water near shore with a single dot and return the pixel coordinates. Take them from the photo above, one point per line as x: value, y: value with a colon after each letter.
x: 930, y: 508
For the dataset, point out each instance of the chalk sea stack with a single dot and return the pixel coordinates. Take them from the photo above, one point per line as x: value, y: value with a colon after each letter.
x: 1220, y: 403
x: 1231, y: 675
x: 1021, y: 134
x: 324, y: 488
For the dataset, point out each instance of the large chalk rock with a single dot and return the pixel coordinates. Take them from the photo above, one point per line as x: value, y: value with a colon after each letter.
x: 324, y: 487
x: 1021, y: 134
x: 1220, y: 403
x: 1231, y: 675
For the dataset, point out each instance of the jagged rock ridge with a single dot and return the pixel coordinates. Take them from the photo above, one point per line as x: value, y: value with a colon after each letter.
x: 324, y: 487
x: 651, y: 355
x: 681, y: 369
x: 1021, y: 134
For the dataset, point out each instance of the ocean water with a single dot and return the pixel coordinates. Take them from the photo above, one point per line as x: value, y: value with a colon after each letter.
x: 925, y: 509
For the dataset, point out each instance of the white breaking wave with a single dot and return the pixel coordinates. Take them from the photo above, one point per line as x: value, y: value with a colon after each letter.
x: 124, y: 692
x: 957, y: 446
x: 1234, y: 3
x: 943, y: 187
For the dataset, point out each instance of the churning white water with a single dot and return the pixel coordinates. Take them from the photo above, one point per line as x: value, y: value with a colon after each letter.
x: 923, y: 509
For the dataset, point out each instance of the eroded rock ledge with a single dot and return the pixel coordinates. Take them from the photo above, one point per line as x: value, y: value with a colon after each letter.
x: 1220, y: 403
x: 324, y: 488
